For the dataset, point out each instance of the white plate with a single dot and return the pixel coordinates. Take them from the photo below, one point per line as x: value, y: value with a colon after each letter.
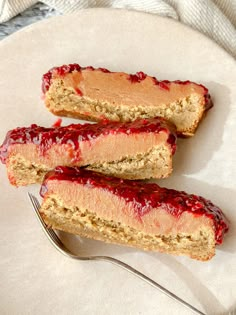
x: 35, y: 278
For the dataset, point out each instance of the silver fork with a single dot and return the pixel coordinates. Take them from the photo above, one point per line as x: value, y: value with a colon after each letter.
x: 57, y: 243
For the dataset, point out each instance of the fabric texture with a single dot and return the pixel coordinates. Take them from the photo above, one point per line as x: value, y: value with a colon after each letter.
x: 214, y: 18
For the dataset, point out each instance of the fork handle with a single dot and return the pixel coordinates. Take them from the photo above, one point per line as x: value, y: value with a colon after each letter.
x: 147, y: 280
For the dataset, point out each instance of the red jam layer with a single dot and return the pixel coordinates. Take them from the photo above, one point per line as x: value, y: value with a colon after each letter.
x: 57, y: 123
x: 75, y: 133
x: 133, y: 78
x: 143, y: 196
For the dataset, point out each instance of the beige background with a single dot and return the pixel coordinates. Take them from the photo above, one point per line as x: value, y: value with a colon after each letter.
x: 35, y: 279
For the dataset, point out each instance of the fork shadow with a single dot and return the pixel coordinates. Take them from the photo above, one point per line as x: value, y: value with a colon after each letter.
x: 200, y: 291
x: 232, y: 310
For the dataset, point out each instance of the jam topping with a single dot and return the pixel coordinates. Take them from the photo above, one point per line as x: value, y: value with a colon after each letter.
x: 172, y: 141
x: 138, y: 77
x: 90, y: 68
x: 133, y: 78
x: 145, y: 196
x: 46, y: 81
x: 57, y: 123
x: 78, y: 91
x: 75, y: 133
x: 208, y: 101
x: 104, y: 70
x: 162, y: 84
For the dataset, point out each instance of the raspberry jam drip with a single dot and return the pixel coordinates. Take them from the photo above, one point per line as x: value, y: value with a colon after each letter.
x: 57, y: 123
x: 145, y: 197
x: 78, y: 91
x: 172, y: 141
x: 208, y: 101
x: 138, y: 77
x: 73, y: 134
x: 162, y: 84
x: 104, y: 70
